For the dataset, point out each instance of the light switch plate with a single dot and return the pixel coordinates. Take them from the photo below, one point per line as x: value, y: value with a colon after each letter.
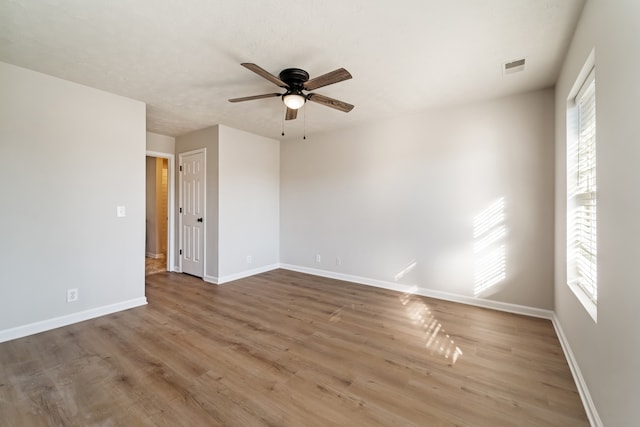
x: 121, y: 211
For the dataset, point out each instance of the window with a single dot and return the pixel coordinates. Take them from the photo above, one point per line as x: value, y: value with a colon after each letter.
x: 582, y: 250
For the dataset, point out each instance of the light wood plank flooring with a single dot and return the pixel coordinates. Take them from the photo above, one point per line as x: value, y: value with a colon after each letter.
x: 289, y: 349
x: 154, y: 265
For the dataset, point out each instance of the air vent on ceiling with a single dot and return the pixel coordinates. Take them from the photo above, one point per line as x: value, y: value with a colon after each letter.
x: 513, y: 66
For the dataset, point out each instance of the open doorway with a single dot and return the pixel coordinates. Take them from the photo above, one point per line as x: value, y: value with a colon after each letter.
x: 159, y: 217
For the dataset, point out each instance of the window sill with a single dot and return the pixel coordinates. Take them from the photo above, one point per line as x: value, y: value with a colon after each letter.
x: 586, y: 302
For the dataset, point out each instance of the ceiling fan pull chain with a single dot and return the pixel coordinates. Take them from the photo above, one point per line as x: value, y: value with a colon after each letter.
x: 304, y: 135
x: 285, y: 113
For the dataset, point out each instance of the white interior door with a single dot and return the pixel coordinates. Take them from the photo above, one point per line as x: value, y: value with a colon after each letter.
x: 192, y: 176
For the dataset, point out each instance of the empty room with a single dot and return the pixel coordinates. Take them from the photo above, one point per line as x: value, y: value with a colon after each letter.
x: 353, y: 213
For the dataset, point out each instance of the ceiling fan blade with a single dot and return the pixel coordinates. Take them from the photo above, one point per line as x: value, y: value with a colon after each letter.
x: 330, y: 102
x: 291, y: 114
x: 251, y: 98
x: 328, y: 79
x: 265, y: 74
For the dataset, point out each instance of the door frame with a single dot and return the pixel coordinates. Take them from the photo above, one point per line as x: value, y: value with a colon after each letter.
x: 202, y: 151
x: 171, y: 185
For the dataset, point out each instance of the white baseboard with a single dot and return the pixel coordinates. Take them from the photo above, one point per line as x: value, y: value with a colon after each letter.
x: 587, y: 402
x: 241, y: 275
x: 57, y: 322
x: 479, y: 302
x: 154, y: 256
x: 210, y: 279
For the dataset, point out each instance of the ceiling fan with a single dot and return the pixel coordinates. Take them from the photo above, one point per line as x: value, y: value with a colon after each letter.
x: 296, y: 81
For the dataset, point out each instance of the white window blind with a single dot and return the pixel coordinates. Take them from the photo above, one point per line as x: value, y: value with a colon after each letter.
x: 582, y: 192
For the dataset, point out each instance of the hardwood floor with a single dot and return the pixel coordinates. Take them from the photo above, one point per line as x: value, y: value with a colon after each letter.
x: 289, y: 349
x: 154, y: 265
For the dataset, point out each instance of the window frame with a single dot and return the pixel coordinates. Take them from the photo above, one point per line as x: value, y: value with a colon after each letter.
x: 581, y: 187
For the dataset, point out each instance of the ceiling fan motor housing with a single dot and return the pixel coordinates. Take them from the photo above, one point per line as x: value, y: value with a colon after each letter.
x: 295, y: 78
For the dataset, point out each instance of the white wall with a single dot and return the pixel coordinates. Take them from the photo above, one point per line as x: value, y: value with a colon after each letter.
x: 249, y: 195
x: 242, y: 200
x: 69, y: 155
x: 203, y: 138
x: 161, y: 143
x: 607, y: 352
x: 383, y: 196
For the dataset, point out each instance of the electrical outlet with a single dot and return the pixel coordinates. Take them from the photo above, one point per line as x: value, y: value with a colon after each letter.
x: 72, y: 295
x: 318, y: 258
x: 249, y: 259
x: 338, y: 261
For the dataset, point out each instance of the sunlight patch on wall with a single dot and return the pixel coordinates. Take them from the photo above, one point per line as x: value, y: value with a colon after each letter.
x: 405, y: 270
x: 436, y: 338
x: 489, y: 232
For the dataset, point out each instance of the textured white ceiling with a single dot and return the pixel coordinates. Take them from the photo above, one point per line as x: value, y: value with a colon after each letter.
x: 183, y: 57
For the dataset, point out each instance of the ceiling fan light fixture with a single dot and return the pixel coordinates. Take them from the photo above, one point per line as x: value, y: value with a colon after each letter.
x: 294, y: 101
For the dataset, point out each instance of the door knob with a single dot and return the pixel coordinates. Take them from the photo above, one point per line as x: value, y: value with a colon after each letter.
x: 199, y: 219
